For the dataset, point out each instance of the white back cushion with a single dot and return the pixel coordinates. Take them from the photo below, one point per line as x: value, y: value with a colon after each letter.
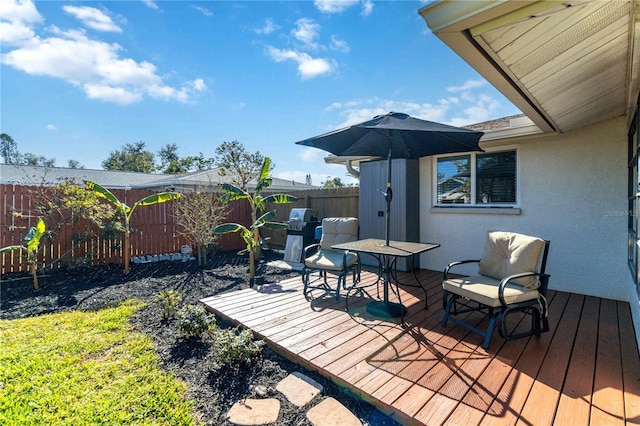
x: 508, y: 253
x: 338, y: 230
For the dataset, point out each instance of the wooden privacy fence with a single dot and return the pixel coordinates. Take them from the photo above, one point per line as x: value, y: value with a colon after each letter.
x: 154, y: 231
x: 154, y: 227
x: 337, y: 202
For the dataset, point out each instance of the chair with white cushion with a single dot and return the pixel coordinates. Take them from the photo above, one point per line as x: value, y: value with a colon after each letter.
x: 511, y: 279
x: 326, y: 261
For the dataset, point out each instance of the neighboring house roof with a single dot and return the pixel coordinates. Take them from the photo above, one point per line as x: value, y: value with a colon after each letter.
x: 49, y: 176
x: 565, y: 65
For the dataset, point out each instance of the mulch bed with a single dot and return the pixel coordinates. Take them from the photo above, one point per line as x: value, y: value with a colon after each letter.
x: 214, y: 389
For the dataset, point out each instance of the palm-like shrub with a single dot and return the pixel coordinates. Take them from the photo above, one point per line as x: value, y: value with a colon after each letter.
x: 251, y: 234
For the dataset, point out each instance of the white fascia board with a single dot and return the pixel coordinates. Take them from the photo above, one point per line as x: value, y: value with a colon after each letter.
x: 510, y: 132
x: 460, y: 15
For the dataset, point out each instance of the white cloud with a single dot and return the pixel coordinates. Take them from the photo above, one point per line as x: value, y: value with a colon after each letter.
x: 308, y: 67
x: 311, y: 155
x: 203, y: 10
x: 238, y: 106
x: 96, y: 67
x: 367, y: 7
x: 306, y: 31
x: 467, y: 109
x: 151, y: 4
x: 51, y: 128
x: 17, y: 20
x: 334, y: 6
x: 468, y: 85
x: 339, y: 45
x: 118, y: 95
x: 198, y: 84
x: 92, y: 18
x: 268, y: 27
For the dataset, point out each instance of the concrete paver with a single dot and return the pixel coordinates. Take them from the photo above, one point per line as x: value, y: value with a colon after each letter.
x: 299, y: 389
x: 331, y: 413
x: 250, y: 412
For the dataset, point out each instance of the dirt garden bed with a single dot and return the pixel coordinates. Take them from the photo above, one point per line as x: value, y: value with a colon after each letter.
x: 214, y: 389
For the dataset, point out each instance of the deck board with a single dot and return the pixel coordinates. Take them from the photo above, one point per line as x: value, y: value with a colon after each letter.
x: 586, y: 370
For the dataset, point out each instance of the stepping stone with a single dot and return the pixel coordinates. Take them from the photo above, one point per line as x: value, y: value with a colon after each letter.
x: 299, y: 389
x: 249, y: 412
x: 331, y: 413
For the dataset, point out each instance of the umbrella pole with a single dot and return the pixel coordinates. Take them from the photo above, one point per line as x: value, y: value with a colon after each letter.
x: 388, y: 195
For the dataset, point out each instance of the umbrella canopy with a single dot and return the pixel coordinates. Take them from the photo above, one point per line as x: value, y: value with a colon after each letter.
x: 400, y: 134
x: 396, y: 135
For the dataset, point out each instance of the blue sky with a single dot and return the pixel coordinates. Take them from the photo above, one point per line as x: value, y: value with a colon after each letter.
x: 81, y: 79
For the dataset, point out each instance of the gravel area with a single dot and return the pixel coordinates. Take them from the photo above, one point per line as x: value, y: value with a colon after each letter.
x: 214, y: 389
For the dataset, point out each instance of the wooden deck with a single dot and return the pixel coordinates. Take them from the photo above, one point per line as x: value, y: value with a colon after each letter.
x: 585, y: 371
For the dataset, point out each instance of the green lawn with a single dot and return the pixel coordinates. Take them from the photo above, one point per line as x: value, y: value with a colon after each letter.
x: 81, y: 368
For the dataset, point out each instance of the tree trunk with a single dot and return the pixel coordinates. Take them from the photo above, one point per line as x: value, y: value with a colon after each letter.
x: 202, y: 254
x: 252, y: 268
x: 126, y: 250
x: 34, y: 270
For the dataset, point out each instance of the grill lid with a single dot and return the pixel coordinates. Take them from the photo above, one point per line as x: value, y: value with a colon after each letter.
x: 299, y: 217
x: 302, y: 215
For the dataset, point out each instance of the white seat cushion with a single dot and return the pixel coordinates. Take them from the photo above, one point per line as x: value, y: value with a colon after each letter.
x: 508, y: 253
x: 330, y: 260
x: 484, y: 290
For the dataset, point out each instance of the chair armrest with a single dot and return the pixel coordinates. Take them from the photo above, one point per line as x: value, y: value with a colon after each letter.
x: 344, y: 258
x: 541, y: 286
x: 445, y: 274
x: 309, y: 250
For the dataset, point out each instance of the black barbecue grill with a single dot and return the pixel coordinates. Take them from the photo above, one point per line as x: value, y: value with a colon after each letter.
x: 301, y: 232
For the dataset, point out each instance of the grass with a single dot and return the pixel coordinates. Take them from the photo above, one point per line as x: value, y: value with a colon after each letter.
x: 81, y: 368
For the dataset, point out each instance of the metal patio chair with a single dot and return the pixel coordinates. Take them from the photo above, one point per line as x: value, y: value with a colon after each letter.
x: 326, y: 261
x: 511, y: 279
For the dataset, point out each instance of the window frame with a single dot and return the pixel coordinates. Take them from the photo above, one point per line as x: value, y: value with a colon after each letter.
x: 473, y: 178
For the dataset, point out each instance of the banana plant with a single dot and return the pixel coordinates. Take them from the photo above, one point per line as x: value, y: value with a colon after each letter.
x: 33, y: 244
x: 127, y: 211
x: 251, y: 235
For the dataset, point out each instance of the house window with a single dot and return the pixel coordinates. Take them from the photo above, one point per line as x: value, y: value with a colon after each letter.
x: 482, y: 179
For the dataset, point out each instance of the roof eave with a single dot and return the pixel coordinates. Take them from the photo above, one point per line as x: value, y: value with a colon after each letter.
x: 449, y: 21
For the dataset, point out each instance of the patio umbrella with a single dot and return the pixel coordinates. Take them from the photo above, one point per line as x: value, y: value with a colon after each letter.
x: 395, y: 135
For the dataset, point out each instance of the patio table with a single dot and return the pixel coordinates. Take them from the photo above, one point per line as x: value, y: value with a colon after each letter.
x: 387, y: 256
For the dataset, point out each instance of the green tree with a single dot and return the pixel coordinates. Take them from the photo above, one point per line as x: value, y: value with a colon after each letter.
x: 8, y: 149
x: 68, y: 203
x: 336, y: 182
x: 235, y: 162
x: 131, y: 158
x: 127, y: 211
x: 172, y: 163
x: 73, y: 164
x: 251, y: 235
x: 30, y: 159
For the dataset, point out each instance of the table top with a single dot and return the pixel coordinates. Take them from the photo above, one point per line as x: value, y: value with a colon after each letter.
x: 377, y: 246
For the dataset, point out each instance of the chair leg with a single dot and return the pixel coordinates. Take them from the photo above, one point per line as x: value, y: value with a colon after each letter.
x: 489, y: 333
x: 447, y: 304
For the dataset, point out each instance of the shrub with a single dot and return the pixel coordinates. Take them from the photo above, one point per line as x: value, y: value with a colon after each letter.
x: 232, y: 347
x: 193, y: 320
x: 169, y: 301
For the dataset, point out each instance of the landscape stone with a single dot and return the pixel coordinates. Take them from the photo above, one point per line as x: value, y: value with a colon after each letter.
x: 250, y: 412
x: 331, y: 413
x: 299, y: 389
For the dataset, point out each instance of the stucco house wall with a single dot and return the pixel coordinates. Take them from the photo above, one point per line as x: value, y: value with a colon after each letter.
x: 572, y: 190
